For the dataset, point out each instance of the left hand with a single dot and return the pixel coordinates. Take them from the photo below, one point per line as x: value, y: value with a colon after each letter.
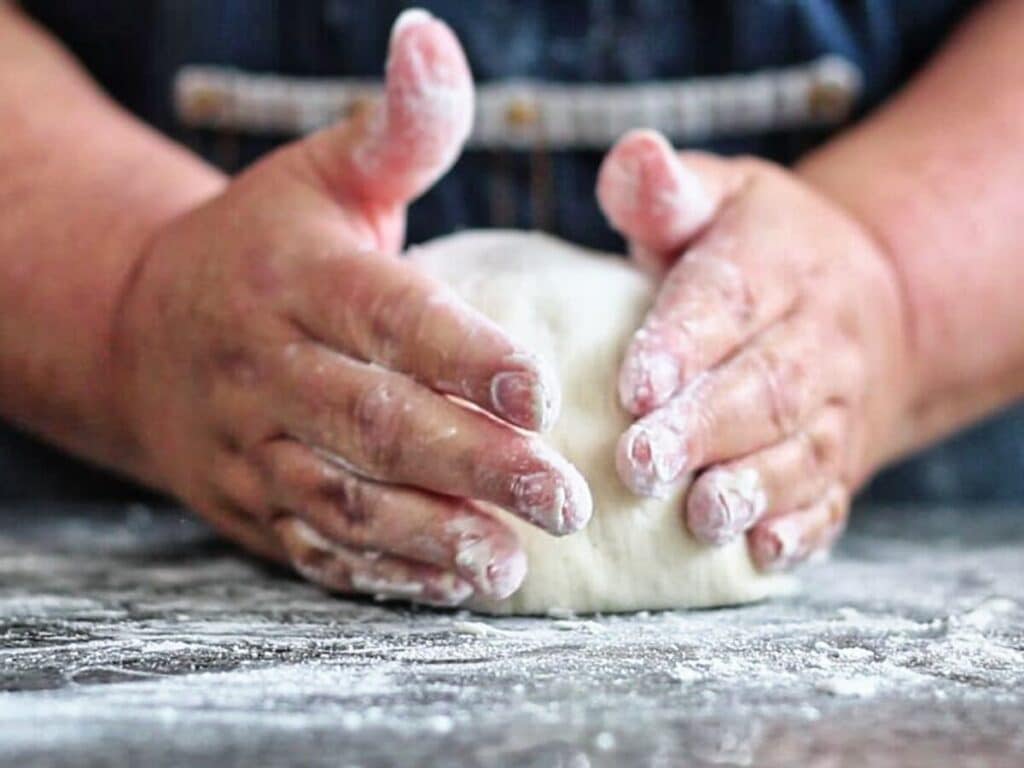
x: 281, y: 372
x: 773, y: 362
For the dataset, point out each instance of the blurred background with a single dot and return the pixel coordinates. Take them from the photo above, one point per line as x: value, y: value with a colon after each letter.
x: 558, y: 82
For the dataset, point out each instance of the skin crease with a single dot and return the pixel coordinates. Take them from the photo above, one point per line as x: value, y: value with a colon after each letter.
x: 213, y: 338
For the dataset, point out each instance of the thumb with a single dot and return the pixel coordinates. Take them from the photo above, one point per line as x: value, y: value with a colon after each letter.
x: 658, y: 200
x: 389, y: 154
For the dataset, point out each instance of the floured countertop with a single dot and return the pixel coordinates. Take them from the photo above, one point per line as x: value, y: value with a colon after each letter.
x: 130, y: 636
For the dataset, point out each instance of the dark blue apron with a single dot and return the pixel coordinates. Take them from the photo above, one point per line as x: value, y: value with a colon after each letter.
x: 138, y: 50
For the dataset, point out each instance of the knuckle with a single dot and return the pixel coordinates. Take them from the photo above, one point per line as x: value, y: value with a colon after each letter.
x: 264, y: 458
x: 357, y: 293
x: 302, y: 371
x: 379, y: 417
x: 821, y: 453
x: 314, y: 564
x: 236, y: 366
x: 726, y: 283
x: 433, y: 308
x: 403, y: 315
x: 391, y: 313
x: 241, y: 484
x: 263, y: 272
x: 350, y: 498
x: 309, y: 554
x: 784, y: 384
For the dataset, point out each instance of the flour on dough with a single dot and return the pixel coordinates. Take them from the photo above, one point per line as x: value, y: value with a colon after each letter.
x: 577, y: 309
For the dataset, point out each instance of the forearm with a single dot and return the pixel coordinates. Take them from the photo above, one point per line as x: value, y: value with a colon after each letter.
x: 935, y: 176
x: 82, y: 187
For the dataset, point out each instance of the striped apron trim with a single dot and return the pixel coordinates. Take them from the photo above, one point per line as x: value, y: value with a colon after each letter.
x: 540, y: 115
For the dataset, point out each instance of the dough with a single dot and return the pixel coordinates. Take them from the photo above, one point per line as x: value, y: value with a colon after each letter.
x: 577, y: 309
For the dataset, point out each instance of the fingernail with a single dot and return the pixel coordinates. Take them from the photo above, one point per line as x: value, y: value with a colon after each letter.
x: 518, y: 397
x: 527, y: 399
x: 498, y: 576
x: 651, y: 459
x: 557, y: 498
x: 515, y: 397
x: 648, y: 380
x: 725, y: 504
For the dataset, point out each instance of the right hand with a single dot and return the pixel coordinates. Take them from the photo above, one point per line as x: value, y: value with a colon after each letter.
x: 289, y: 379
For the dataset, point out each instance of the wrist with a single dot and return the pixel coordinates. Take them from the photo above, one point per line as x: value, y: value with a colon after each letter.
x: 136, y: 236
x: 898, y: 374
x: 85, y: 188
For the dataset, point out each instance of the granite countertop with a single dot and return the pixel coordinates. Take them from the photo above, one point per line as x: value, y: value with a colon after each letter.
x: 130, y: 636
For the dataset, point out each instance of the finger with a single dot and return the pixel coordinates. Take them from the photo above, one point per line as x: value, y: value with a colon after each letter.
x: 243, y: 528
x: 393, y: 152
x: 755, y: 399
x: 229, y: 499
x: 339, y: 568
x: 711, y: 302
x: 387, y: 312
x: 731, y: 497
x: 779, y: 542
x: 654, y: 199
x: 730, y: 285
x: 386, y: 427
x: 363, y: 515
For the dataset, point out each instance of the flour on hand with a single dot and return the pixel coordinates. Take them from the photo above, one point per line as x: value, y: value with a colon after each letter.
x: 577, y: 309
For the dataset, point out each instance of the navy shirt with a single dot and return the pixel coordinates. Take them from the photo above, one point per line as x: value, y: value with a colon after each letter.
x: 136, y: 50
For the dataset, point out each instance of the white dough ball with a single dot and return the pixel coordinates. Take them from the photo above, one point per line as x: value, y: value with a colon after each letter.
x: 577, y: 309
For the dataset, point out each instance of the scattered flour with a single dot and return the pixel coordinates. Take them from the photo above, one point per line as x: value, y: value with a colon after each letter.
x: 856, y: 687
x: 441, y: 724
x: 855, y: 654
x: 568, y: 625
x: 560, y: 613
x: 685, y: 674
x: 478, y: 628
x: 985, y: 614
x: 604, y: 741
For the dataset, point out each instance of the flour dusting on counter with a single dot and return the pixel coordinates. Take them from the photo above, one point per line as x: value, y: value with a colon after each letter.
x: 167, y: 646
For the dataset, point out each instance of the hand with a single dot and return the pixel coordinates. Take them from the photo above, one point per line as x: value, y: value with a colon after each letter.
x: 293, y: 382
x: 773, y: 360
